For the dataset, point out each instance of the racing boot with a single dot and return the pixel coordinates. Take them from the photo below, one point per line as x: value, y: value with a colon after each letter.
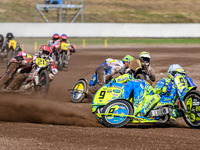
x: 176, y: 113
x: 172, y: 119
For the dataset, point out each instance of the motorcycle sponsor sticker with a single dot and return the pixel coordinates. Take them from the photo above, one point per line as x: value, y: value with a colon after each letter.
x: 116, y: 91
x: 109, y: 91
x: 115, y: 94
x: 114, y: 97
x: 195, y: 103
x: 197, y: 108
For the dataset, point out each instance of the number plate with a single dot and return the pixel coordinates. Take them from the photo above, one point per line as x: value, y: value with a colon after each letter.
x: 64, y: 46
x: 40, y: 62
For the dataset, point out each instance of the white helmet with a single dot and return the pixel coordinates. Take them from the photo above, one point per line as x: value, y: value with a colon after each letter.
x: 145, y: 56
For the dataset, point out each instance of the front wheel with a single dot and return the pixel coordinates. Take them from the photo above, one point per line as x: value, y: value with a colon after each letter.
x: 43, y: 87
x: 192, y: 103
x: 115, y: 113
x: 79, y: 91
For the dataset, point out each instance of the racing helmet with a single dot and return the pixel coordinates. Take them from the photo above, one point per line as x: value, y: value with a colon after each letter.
x: 175, y: 69
x: 145, y: 56
x: 1, y: 39
x: 127, y: 59
x: 56, y: 36
x: 44, y: 51
x: 64, y: 37
x: 9, y: 35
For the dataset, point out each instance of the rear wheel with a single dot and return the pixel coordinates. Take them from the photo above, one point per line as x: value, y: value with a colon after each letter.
x: 192, y: 102
x: 79, y: 91
x: 63, y: 59
x: 60, y: 63
x: 117, y: 107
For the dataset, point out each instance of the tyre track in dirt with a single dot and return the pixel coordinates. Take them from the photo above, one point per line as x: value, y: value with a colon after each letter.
x: 56, y: 123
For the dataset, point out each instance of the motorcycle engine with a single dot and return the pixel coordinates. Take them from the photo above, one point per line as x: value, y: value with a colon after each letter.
x: 162, y: 111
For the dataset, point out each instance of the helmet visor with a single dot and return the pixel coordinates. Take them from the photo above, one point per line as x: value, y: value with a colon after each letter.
x: 46, y: 52
x: 145, y: 59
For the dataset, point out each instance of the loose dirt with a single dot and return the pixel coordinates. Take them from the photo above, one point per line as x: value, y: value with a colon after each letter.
x: 28, y: 122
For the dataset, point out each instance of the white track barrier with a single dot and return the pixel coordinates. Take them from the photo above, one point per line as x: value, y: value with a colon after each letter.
x: 136, y: 30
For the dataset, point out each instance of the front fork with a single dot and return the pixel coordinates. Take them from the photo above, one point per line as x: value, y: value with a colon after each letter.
x: 36, y: 77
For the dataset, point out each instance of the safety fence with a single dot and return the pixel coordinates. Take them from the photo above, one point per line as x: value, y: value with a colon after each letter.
x: 103, y: 30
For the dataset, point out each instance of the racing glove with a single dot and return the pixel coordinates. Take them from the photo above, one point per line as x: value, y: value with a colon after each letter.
x: 168, y: 87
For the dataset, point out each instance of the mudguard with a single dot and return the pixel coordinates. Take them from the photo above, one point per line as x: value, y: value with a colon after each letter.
x: 106, y: 94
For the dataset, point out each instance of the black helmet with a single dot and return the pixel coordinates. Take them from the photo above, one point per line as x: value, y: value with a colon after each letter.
x: 9, y: 35
x: 1, y: 38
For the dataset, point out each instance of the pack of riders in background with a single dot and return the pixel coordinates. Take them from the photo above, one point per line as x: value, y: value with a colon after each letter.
x: 62, y: 50
x: 21, y: 65
x: 8, y: 48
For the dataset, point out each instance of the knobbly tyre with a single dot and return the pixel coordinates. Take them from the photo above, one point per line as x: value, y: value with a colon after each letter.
x: 119, y: 112
x: 139, y: 71
x: 37, y: 80
x: 104, y: 95
x: 78, y: 92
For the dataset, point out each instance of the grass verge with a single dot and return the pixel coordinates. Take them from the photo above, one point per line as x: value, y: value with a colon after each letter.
x: 114, y: 41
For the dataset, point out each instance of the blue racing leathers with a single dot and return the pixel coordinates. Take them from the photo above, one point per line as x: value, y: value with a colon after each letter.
x: 140, y: 93
x: 168, y: 93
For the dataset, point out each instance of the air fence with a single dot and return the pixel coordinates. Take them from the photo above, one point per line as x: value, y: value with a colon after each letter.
x: 103, y: 30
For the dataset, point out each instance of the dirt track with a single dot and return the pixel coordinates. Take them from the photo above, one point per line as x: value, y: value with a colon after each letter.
x: 55, y: 123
